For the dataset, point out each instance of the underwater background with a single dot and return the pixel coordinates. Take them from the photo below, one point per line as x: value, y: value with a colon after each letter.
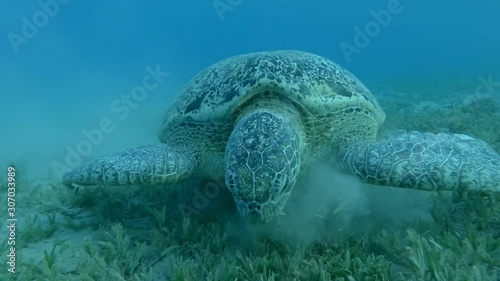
x: 66, y: 66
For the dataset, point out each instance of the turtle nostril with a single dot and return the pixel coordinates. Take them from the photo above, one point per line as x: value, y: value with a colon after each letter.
x: 254, y: 207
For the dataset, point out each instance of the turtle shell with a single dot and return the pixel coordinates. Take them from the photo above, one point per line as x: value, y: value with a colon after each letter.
x: 312, y: 83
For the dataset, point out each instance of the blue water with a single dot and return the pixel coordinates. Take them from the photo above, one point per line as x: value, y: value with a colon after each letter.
x: 87, y: 49
x: 117, y: 38
x: 65, y: 64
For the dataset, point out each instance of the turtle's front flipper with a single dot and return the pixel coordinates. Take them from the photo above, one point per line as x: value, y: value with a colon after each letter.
x: 144, y: 165
x: 426, y: 161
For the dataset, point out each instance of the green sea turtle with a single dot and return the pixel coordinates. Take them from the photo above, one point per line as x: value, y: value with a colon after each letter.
x: 258, y: 120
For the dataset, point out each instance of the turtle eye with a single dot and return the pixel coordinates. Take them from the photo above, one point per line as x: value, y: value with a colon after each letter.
x: 231, y: 184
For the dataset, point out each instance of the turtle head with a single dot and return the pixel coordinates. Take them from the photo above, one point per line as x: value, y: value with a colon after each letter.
x: 262, y: 163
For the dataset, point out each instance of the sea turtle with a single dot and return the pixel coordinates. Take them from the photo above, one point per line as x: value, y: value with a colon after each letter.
x: 258, y: 120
